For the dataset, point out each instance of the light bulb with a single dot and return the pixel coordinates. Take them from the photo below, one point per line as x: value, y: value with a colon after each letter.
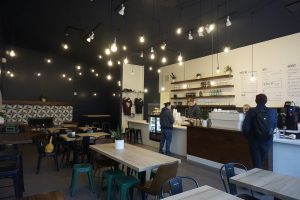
x: 110, y: 63
x: 158, y: 71
x: 96, y: 74
x: 108, y: 77
x: 179, y: 58
x: 119, y: 62
x: 142, y: 55
x: 179, y: 30
x: 122, y: 10
x: 12, y: 53
x: 114, y: 47
x: 218, y: 70
x: 180, y: 63
x: 63, y: 75
x: 75, y: 93
x: 12, y: 75
x: 162, y: 89
x: 38, y: 74
x: 145, y: 90
x: 164, y: 60
x: 100, y: 56
x: 200, y: 31
x: 119, y: 83
x: 252, y: 78
x: 184, y: 86
x: 190, y: 35
x: 114, y: 94
x: 70, y: 79
x: 226, y: 49
x: 152, y: 56
x: 48, y: 60
x: 142, y: 39
x: 163, y: 46
x: 228, y: 22
x: 126, y: 61
x: 150, y: 68
x: 8, y: 72
x: 107, y: 51
x: 92, y: 70
x: 65, y: 46
x: 80, y: 73
x: 211, y: 27
x: 152, y: 50
x: 124, y: 48
x: 212, y: 82
x: 95, y: 94
x: 78, y: 67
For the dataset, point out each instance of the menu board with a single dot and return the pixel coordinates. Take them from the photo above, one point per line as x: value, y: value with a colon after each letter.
x: 272, y: 84
x: 293, y: 82
x: 248, y: 88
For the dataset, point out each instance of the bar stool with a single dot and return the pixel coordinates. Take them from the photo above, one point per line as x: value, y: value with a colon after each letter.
x: 126, y: 133
x: 82, y: 168
x: 125, y: 184
x: 110, y: 176
x: 132, y: 135
x: 138, y: 136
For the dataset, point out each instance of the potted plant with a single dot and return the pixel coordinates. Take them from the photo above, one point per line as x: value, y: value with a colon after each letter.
x: 43, y: 98
x: 173, y: 77
x: 2, y: 117
x: 204, y: 117
x: 119, y: 138
x: 227, y: 70
x: 198, y: 75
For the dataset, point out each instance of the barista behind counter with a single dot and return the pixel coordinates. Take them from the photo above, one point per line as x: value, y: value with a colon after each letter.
x: 193, y: 111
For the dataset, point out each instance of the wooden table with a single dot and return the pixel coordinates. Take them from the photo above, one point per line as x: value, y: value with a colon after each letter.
x: 15, y: 138
x: 95, y: 134
x: 203, y: 193
x: 85, y: 128
x: 137, y: 158
x: 53, y: 129
x: 277, y: 185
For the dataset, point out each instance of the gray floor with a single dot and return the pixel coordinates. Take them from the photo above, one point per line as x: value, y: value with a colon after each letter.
x: 50, y: 180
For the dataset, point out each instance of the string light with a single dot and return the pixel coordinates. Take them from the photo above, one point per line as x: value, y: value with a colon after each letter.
x: 114, y: 94
x: 75, y: 94
x: 70, y: 79
x: 162, y: 88
x: 142, y: 54
x: 180, y: 58
x: 145, y: 90
x: 12, y: 75
x: 110, y: 63
x: 226, y: 49
x: 107, y: 51
x: 78, y: 67
x: 126, y: 61
x: 12, y: 53
x: 163, y: 46
x: 109, y: 77
x: 158, y: 71
x: 119, y: 62
x: 114, y: 47
x: 200, y: 31
x: 65, y: 46
x: 100, y: 56
x: 163, y: 59
x: 124, y: 48
x: 48, y: 60
x: 95, y: 94
x: 96, y: 74
x: 38, y: 74
x: 150, y: 68
x: 80, y: 73
x: 63, y: 75
x: 178, y: 30
x: 142, y: 39
x: 92, y: 70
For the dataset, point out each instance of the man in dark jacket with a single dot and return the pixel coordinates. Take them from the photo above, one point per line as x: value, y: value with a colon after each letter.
x: 259, y: 147
x: 166, y: 124
x: 193, y: 110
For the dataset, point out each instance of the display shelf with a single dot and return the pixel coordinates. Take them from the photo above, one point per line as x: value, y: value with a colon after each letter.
x: 206, y: 97
x: 203, y: 79
x: 203, y: 88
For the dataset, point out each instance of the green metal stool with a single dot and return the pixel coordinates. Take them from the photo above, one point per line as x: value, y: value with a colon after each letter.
x: 110, y: 176
x: 125, y: 184
x: 82, y: 168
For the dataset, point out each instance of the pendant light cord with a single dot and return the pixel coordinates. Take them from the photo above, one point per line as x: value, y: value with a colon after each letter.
x: 252, y: 42
x: 212, y: 54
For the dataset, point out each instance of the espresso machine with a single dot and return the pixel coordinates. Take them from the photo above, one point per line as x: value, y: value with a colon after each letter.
x: 289, y: 116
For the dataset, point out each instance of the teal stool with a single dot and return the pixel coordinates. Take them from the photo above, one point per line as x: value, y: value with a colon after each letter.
x: 110, y: 176
x: 81, y: 168
x: 126, y: 183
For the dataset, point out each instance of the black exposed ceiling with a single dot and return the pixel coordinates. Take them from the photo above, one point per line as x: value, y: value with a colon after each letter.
x: 42, y: 25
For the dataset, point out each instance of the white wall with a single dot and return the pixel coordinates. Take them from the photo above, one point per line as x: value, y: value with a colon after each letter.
x: 271, y: 60
x: 133, y: 78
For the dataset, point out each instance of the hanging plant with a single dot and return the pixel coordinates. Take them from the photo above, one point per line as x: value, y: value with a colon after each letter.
x: 227, y: 70
x: 173, y: 77
x: 198, y: 75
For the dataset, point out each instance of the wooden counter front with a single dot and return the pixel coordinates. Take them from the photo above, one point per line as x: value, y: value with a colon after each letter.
x: 218, y: 145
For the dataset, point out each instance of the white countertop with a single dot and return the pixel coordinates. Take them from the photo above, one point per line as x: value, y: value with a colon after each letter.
x: 179, y: 127
x: 138, y: 122
x: 287, y: 141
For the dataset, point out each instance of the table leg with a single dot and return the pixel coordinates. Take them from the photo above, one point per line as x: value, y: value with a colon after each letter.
x: 142, y: 177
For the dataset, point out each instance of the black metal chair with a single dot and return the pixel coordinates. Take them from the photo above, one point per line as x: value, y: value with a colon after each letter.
x: 11, y: 167
x: 175, y: 186
x: 41, y: 141
x: 226, y: 172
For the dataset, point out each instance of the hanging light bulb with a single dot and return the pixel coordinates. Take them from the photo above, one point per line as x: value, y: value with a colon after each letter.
x: 163, y: 46
x: 226, y: 49
x: 70, y: 79
x: 132, y: 71
x: 126, y: 61
x: 252, y: 78
x: 119, y: 62
x: 152, y: 55
x: 114, y: 94
x: 96, y: 74
x: 92, y: 70
x: 218, y: 70
x: 178, y: 30
x: 78, y: 67
x: 63, y: 75
x: 142, y: 39
x: 12, y: 53
x: 179, y: 58
x: 158, y: 71
x: 119, y: 83
x: 8, y: 72
x: 80, y: 73
x: 180, y: 63
x: 65, y: 46
x: 190, y: 35
x: 209, y: 28
x: 228, y: 22
x: 90, y: 37
x: 100, y: 56
x: 142, y: 54
x: 145, y: 90
x: 12, y: 75
x: 108, y: 77
x: 94, y: 94
x: 122, y: 10
x: 38, y: 74
x: 212, y: 83
x: 150, y: 68
x: 162, y: 88
x: 124, y: 48
x: 75, y: 93
x: 114, y: 47
x: 163, y: 59
x: 107, y: 51
x: 48, y: 60
x: 184, y: 86
x: 110, y: 63
x: 200, y: 31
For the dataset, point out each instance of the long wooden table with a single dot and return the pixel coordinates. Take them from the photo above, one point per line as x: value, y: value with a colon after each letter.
x: 15, y: 138
x: 137, y: 158
x: 203, y: 193
x: 95, y: 135
x: 277, y: 185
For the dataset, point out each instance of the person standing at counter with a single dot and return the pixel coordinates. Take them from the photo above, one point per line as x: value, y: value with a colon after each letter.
x: 166, y: 124
x: 193, y: 110
x: 258, y: 127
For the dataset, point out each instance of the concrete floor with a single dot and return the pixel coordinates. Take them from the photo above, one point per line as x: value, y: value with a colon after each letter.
x: 51, y: 180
